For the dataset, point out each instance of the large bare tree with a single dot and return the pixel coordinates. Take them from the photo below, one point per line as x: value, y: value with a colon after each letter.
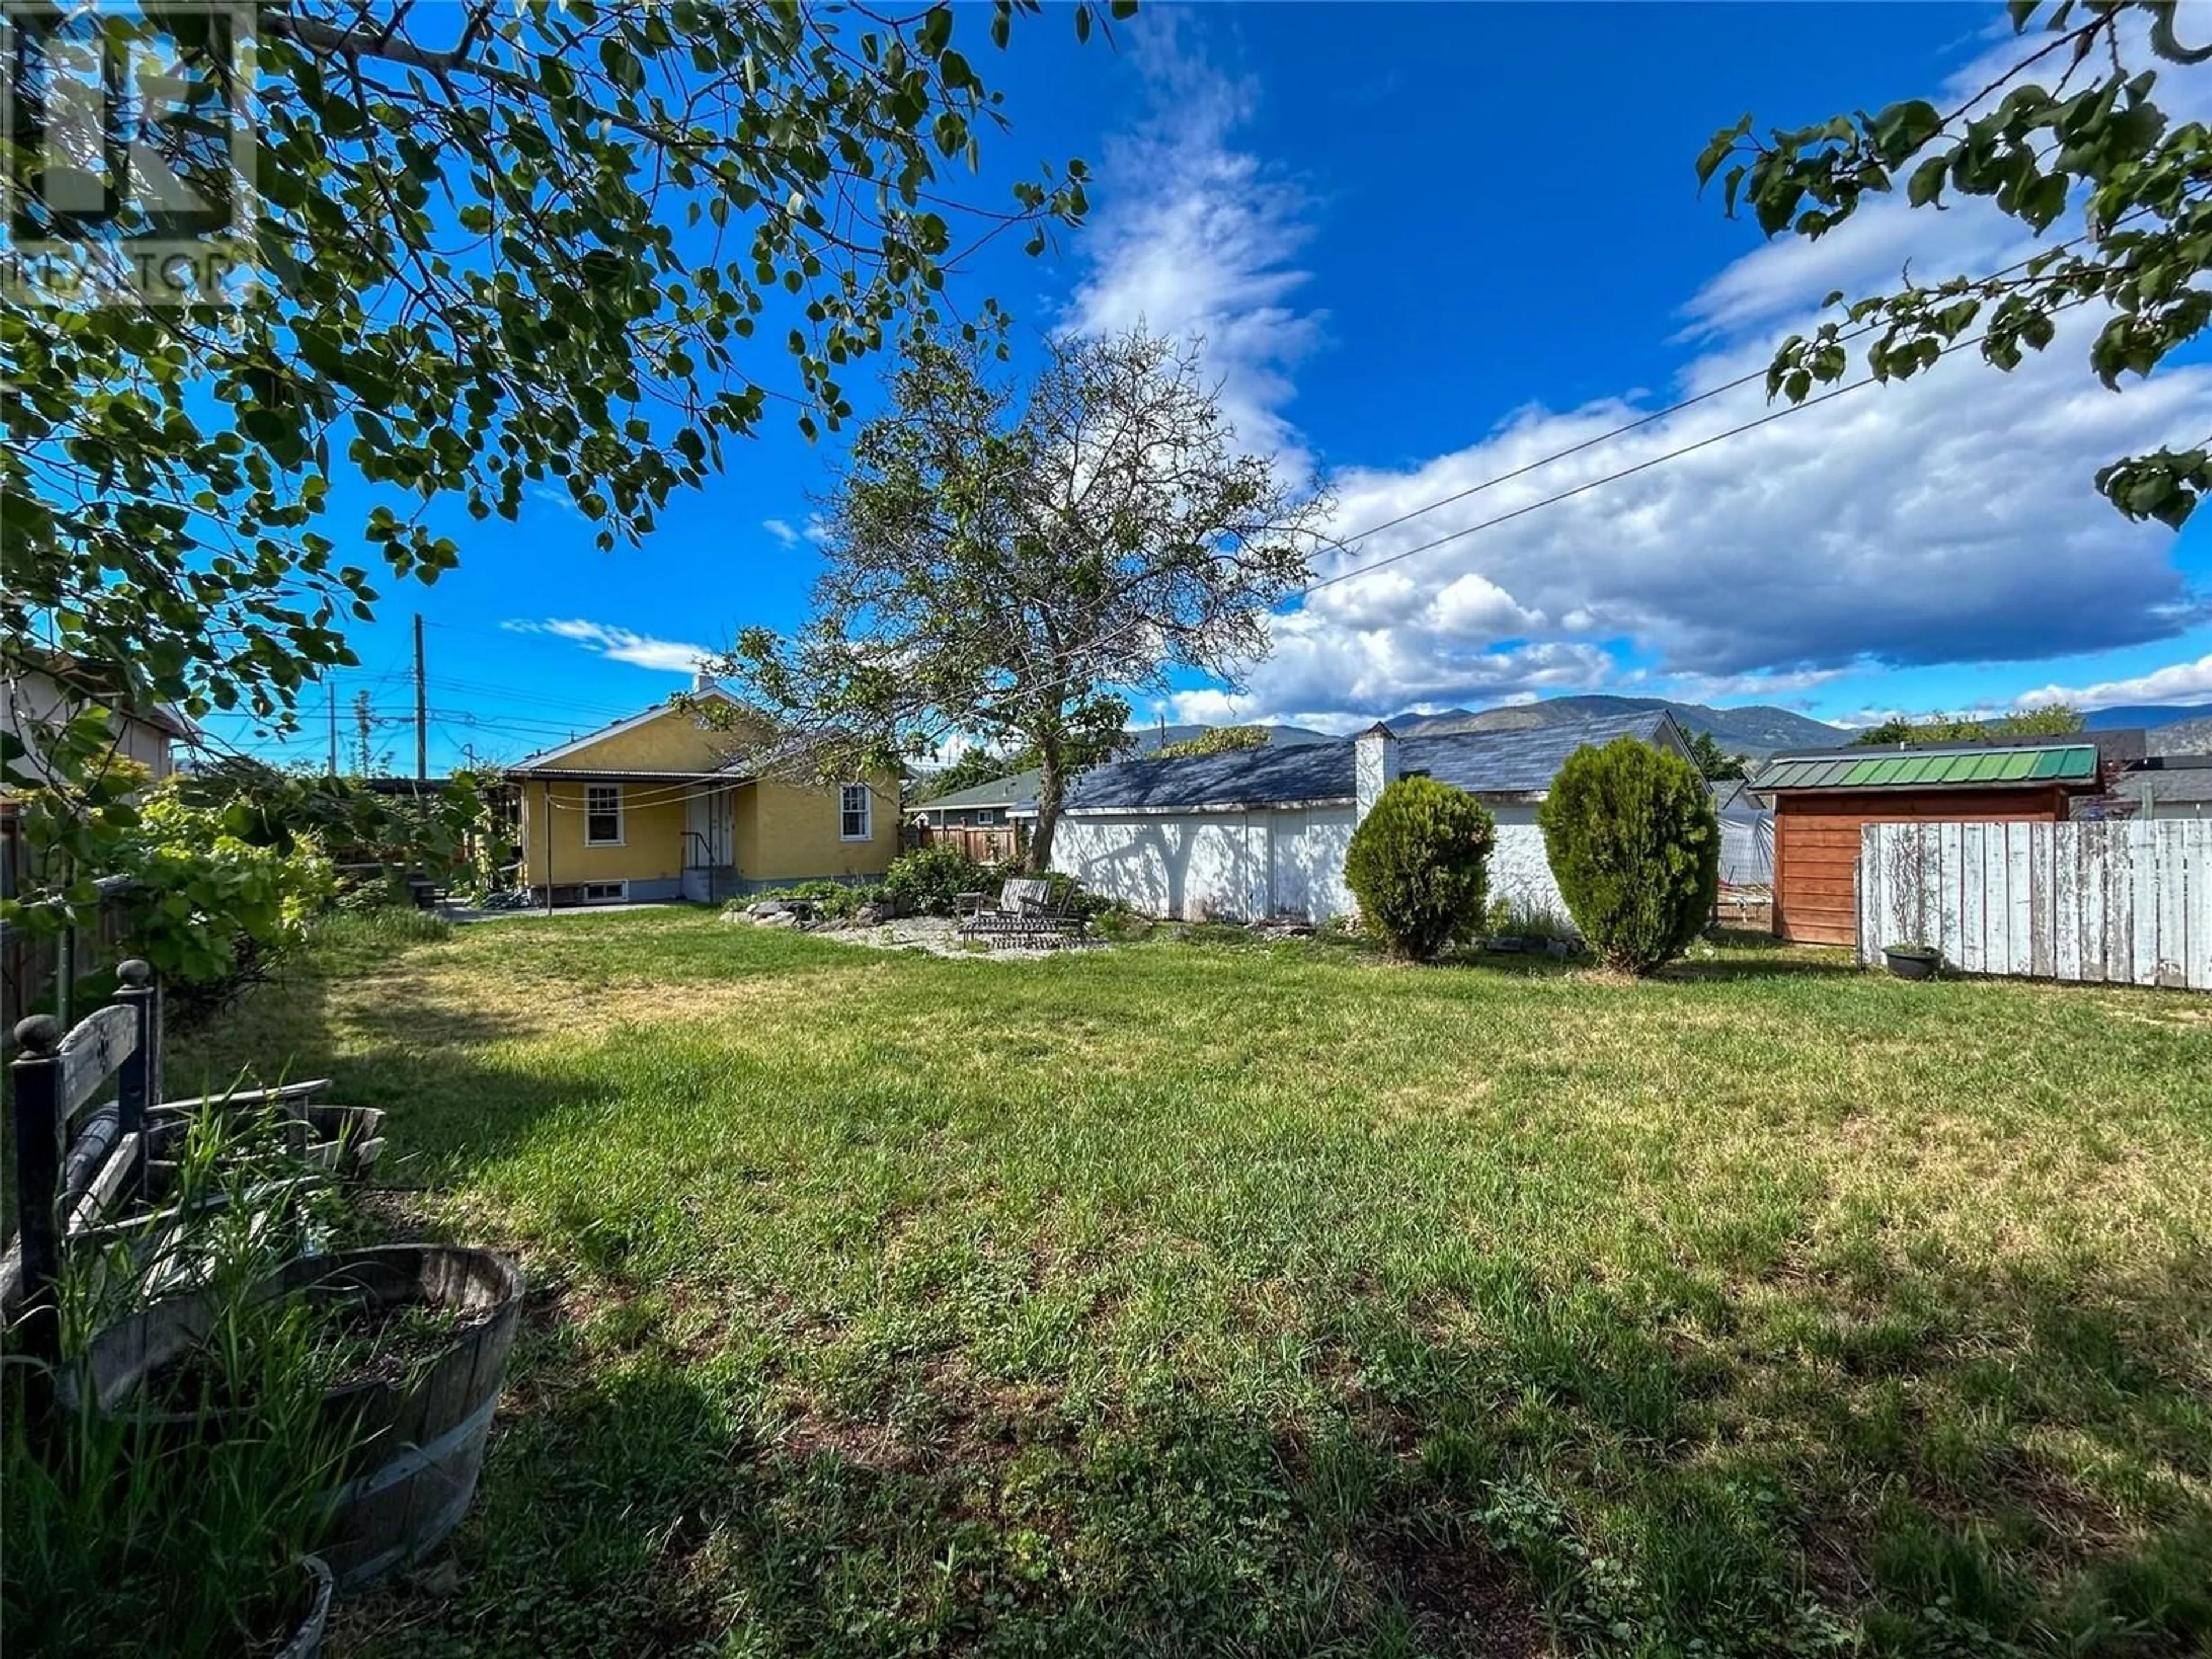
x: 1010, y: 567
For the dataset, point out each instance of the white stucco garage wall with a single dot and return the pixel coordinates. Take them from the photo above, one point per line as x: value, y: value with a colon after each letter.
x: 1232, y: 865
x: 1285, y: 862
x: 1519, y: 870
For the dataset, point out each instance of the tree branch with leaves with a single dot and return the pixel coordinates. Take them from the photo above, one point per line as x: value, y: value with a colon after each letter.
x: 1010, y: 567
x: 2072, y: 125
x: 506, y: 247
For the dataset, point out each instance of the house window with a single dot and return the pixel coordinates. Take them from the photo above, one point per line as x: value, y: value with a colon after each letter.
x: 603, y: 822
x: 854, y: 818
x: 986, y: 818
x: 606, y: 892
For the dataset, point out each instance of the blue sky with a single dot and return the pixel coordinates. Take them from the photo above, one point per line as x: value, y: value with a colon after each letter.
x: 1427, y: 245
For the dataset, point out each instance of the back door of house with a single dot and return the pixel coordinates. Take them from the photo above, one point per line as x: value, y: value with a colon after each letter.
x: 710, y: 835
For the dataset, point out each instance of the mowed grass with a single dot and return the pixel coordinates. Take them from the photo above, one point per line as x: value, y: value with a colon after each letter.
x: 1197, y: 1298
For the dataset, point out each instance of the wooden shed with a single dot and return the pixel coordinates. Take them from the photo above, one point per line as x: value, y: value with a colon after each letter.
x: 1823, y: 798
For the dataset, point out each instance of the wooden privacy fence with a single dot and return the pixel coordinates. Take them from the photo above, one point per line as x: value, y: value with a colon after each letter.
x: 982, y: 844
x: 2124, y: 903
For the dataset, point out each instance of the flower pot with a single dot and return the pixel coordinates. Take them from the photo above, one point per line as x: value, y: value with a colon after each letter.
x: 1912, y: 961
x: 417, y: 1441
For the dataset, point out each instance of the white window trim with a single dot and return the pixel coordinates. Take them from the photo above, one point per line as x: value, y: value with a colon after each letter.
x: 622, y: 818
x: 621, y: 895
x: 867, y: 812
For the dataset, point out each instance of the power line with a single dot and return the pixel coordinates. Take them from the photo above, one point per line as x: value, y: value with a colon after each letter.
x: 1312, y: 588
x: 1742, y: 381
x: 1766, y: 419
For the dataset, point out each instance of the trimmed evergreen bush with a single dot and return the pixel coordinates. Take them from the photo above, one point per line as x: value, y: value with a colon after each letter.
x: 1636, y: 850
x: 1416, y: 866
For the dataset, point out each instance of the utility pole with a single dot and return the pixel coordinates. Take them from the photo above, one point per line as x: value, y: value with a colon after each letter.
x: 334, y: 725
x: 421, y: 707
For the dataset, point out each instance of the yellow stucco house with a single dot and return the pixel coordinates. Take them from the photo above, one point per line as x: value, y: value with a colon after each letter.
x: 660, y: 806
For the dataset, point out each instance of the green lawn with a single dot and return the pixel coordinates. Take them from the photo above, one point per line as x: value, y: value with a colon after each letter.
x: 1211, y: 1299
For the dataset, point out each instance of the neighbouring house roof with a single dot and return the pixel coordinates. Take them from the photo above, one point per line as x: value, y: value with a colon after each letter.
x: 100, y: 682
x: 1305, y: 772
x: 1524, y: 762
x: 2172, y: 780
x: 1942, y: 766
x: 1520, y: 762
x: 1015, y: 789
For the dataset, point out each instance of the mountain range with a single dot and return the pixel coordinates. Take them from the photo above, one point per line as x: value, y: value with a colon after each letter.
x: 2148, y: 714
x: 1757, y: 729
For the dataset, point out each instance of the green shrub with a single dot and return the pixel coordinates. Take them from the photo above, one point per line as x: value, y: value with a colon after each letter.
x: 1634, y: 843
x: 210, y: 908
x: 1121, y: 924
x: 929, y: 878
x: 1416, y: 866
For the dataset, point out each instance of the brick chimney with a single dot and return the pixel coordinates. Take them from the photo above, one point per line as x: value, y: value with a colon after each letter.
x: 1374, y: 767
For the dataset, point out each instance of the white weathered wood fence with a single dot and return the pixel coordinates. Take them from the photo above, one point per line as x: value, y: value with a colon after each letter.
x: 2127, y: 903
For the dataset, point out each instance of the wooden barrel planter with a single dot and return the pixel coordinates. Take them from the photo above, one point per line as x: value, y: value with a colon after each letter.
x: 307, y: 1641
x: 344, y: 1141
x: 418, y: 1441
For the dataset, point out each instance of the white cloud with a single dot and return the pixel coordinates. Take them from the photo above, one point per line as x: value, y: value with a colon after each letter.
x: 1886, y: 238
x: 557, y: 497
x: 2177, y: 681
x: 1737, y: 688
x: 1194, y: 238
x: 1950, y: 518
x: 814, y: 532
x: 619, y: 644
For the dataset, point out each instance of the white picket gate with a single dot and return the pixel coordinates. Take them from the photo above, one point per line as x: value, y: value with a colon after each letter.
x: 2127, y: 903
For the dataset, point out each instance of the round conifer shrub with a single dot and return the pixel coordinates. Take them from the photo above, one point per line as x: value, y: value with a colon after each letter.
x: 1636, y: 848
x: 1416, y: 865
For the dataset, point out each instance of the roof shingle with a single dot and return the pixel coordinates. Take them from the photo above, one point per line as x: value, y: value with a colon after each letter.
x: 1513, y: 763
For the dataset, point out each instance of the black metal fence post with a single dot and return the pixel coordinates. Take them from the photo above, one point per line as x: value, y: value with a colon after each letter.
x: 138, y: 1081
x: 37, y: 1073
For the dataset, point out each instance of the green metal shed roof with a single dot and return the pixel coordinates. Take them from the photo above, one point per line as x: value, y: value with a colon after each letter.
x: 1934, y: 768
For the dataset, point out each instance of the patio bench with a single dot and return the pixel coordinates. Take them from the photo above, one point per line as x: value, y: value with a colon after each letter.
x: 1027, y: 913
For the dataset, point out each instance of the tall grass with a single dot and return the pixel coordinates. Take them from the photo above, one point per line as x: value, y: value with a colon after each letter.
x: 165, y: 1519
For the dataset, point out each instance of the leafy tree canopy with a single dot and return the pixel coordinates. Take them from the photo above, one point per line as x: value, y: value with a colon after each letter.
x: 2074, y: 124
x: 1216, y: 740
x: 1715, y: 762
x: 974, y: 766
x: 1007, y: 565
x: 2053, y: 719
x: 507, y: 246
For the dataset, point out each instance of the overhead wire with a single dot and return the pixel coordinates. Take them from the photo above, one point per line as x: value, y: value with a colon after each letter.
x: 1843, y: 337
x: 527, y: 727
